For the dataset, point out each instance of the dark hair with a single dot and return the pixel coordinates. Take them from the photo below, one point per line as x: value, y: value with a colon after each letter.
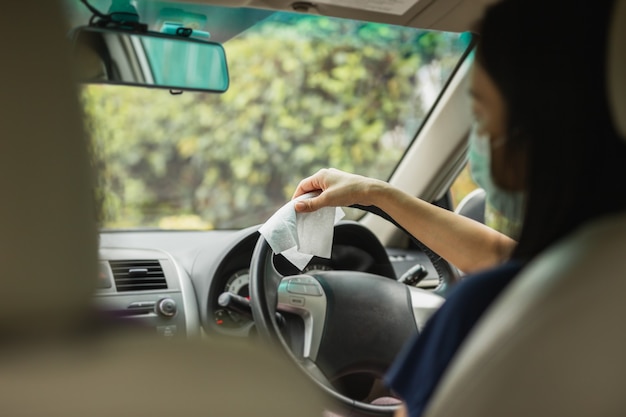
x: 548, y: 59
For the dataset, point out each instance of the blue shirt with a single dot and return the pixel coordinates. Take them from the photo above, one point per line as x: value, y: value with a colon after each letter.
x: 418, y: 368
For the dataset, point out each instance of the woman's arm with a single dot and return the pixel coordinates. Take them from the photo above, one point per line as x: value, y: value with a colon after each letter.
x: 469, y: 245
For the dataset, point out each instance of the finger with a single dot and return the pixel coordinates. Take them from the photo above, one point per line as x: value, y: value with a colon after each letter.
x: 308, y: 205
x: 307, y: 185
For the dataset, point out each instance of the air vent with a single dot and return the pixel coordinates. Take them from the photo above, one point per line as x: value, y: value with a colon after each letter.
x: 139, y: 275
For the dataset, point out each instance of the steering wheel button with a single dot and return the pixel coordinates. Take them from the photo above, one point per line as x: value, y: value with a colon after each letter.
x: 297, y: 288
x: 296, y: 301
x: 304, y: 289
x: 314, y: 290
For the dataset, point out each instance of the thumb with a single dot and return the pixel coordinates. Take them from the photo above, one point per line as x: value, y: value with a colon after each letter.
x: 306, y: 205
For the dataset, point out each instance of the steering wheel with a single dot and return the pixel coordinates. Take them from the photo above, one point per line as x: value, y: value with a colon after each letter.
x: 337, y: 323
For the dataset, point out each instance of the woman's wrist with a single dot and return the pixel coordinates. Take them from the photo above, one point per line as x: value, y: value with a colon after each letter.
x: 376, y: 192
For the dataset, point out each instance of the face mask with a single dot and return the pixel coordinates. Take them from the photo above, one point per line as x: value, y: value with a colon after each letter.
x: 504, y: 210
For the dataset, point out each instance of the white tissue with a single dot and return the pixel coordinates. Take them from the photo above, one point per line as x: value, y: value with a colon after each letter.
x: 300, y: 236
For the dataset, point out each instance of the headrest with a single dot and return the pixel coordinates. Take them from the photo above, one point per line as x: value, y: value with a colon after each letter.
x: 47, y: 222
x: 617, y: 66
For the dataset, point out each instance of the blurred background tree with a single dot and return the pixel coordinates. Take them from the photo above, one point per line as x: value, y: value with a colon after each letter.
x: 306, y: 93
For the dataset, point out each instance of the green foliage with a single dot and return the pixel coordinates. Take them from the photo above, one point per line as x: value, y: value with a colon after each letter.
x: 306, y: 93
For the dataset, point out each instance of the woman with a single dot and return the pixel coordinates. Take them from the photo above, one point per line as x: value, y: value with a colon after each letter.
x: 545, y: 140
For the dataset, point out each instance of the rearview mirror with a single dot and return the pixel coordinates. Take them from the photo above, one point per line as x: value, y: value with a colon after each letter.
x: 150, y: 59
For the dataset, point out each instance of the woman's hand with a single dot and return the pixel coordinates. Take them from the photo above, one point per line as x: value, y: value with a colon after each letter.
x: 338, y: 189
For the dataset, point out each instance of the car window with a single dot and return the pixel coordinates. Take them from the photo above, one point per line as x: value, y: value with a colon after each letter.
x: 306, y: 92
x: 462, y: 186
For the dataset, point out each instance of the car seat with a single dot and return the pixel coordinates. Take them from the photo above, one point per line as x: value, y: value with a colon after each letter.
x: 54, y: 361
x: 553, y: 344
x: 473, y: 205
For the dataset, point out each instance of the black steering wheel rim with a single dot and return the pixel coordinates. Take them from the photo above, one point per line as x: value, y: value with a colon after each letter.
x: 448, y: 274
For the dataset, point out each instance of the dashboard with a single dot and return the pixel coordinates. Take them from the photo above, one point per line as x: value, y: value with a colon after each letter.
x: 170, y: 281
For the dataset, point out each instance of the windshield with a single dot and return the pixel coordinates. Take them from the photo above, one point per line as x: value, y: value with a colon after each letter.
x: 306, y: 92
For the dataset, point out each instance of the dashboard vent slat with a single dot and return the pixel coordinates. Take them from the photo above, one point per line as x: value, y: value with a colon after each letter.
x: 138, y: 275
